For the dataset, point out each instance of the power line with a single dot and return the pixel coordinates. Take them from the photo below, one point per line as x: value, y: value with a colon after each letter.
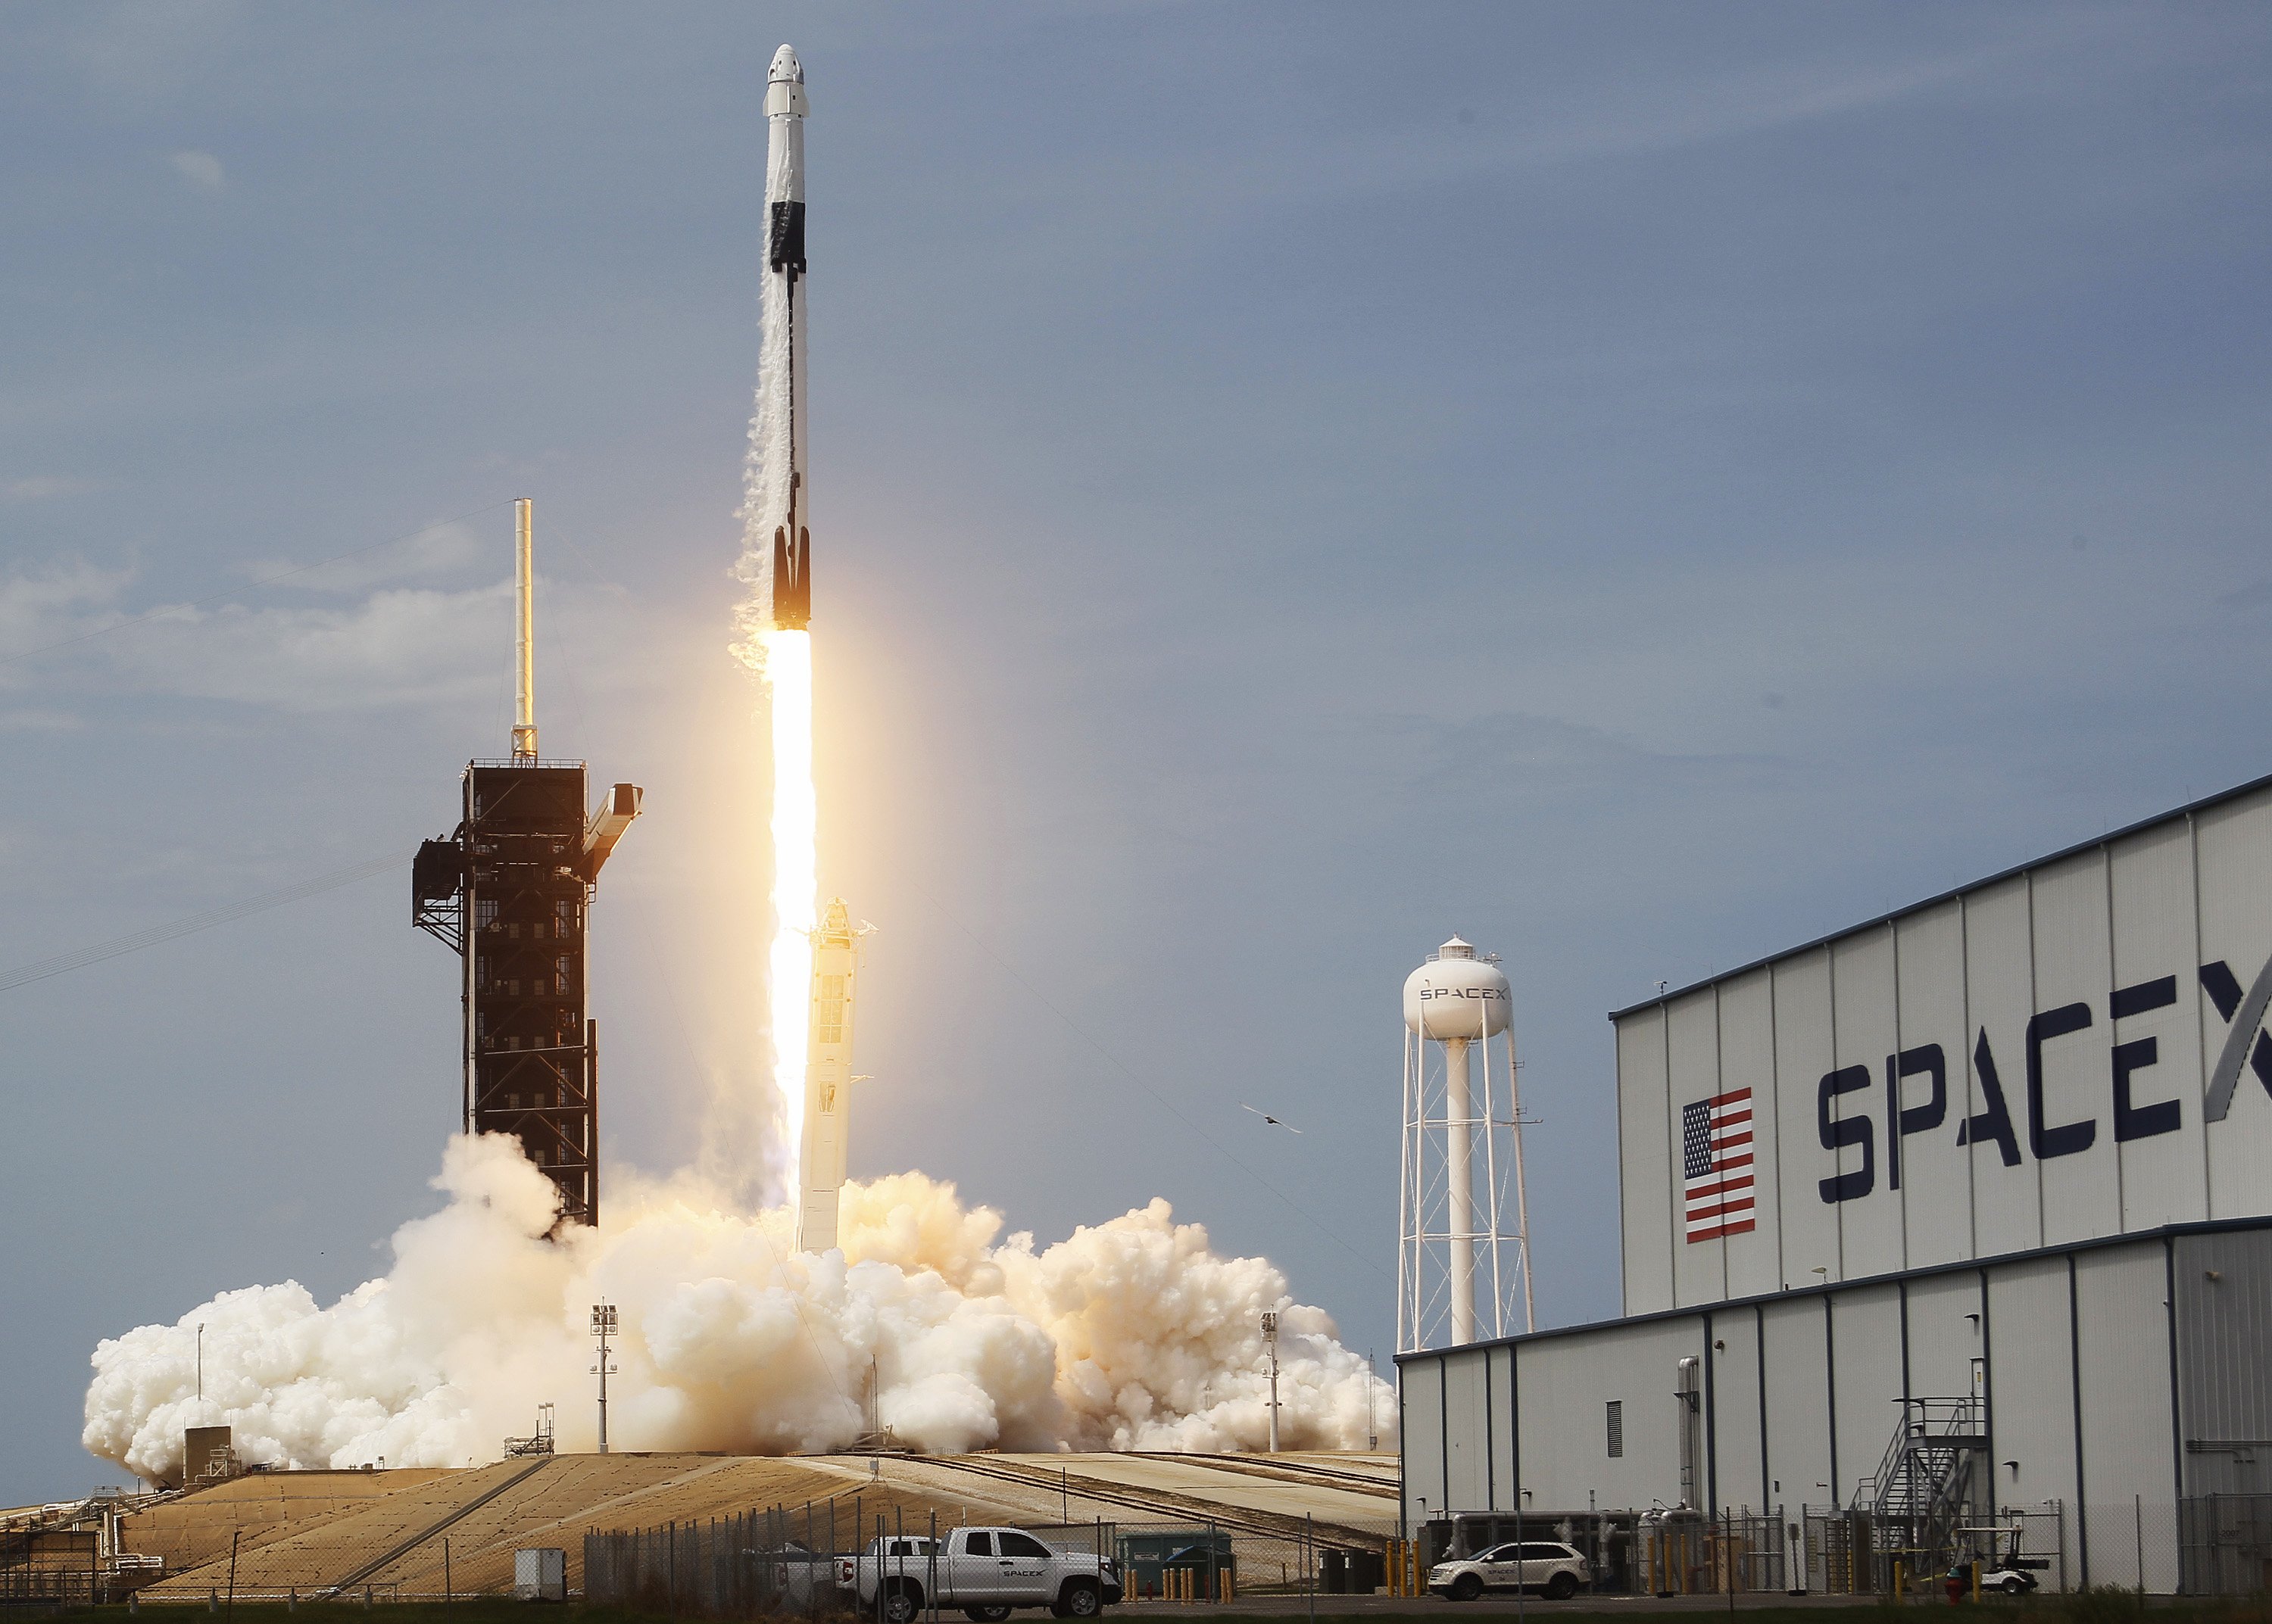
x: 171, y: 609
x: 41, y: 969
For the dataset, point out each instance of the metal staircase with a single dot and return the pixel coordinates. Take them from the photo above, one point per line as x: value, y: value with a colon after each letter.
x: 1922, y: 1492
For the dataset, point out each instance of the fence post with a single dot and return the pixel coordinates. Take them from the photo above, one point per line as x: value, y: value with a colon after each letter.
x: 2138, y: 1519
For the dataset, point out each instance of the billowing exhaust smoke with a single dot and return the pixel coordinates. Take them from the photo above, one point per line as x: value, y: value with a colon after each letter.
x: 1130, y: 1334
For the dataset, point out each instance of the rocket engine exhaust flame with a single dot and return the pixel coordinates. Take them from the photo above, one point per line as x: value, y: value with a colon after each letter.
x: 797, y: 884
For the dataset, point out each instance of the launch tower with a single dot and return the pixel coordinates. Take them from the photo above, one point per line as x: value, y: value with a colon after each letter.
x: 510, y: 890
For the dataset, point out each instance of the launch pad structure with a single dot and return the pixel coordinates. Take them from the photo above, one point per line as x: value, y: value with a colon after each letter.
x: 511, y: 891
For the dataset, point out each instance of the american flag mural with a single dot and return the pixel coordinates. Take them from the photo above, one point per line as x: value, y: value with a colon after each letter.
x: 1715, y: 1162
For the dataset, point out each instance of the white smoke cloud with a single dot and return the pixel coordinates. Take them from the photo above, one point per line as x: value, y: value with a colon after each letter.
x: 1129, y: 1334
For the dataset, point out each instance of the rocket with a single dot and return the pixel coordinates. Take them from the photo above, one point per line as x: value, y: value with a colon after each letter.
x: 781, y: 360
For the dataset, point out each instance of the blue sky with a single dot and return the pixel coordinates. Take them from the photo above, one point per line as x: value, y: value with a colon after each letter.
x: 1637, y: 485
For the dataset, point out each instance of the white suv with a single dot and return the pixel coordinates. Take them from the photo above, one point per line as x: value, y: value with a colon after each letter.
x: 1534, y: 1564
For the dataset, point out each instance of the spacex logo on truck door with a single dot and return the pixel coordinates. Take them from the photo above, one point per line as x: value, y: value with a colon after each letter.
x: 1715, y: 1163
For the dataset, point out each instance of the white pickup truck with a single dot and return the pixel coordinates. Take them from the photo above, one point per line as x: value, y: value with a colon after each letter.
x: 983, y: 1571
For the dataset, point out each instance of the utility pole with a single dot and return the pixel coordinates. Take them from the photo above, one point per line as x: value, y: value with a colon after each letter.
x: 603, y: 1326
x: 1270, y: 1350
x: 1372, y: 1422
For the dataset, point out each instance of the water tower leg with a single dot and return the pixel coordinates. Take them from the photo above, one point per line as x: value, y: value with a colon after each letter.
x: 1458, y: 1113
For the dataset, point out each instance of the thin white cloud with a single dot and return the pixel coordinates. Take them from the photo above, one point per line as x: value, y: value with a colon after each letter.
x: 200, y: 169
x: 65, y: 599
x: 69, y: 632
x: 36, y: 721
x: 438, y: 551
x: 46, y: 487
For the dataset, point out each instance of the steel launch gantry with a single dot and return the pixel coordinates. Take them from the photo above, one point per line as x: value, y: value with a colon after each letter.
x: 510, y: 890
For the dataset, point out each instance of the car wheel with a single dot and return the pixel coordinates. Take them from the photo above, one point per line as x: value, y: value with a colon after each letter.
x: 1561, y: 1587
x: 994, y: 1614
x: 1080, y: 1600
x: 902, y: 1603
x: 1467, y: 1587
x: 2015, y: 1586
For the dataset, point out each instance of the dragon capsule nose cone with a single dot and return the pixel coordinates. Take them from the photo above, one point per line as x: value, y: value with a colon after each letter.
x: 785, y: 86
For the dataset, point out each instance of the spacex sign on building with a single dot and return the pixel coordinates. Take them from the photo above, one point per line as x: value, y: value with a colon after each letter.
x: 2069, y: 1051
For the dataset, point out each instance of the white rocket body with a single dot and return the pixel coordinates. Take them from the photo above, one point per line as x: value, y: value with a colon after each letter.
x: 783, y: 487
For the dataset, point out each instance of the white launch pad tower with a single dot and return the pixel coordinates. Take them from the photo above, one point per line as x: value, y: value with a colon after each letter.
x: 1454, y: 1234
x: 828, y: 1078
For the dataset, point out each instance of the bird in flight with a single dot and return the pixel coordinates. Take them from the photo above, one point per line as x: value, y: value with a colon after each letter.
x: 1273, y: 1120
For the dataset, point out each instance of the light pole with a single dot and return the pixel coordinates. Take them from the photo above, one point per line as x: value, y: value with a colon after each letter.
x: 603, y: 1326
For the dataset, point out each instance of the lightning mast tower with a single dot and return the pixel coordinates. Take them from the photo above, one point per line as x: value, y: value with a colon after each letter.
x: 1454, y: 1238
x: 509, y: 889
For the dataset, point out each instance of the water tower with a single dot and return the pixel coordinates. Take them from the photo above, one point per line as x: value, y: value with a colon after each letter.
x: 1461, y: 1119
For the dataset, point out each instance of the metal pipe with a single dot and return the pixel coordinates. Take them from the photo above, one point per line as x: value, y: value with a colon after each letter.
x: 1408, y: 1316
x: 1521, y: 1199
x: 524, y: 705
x: 1458, y: 1112
x: 1491, y: 1188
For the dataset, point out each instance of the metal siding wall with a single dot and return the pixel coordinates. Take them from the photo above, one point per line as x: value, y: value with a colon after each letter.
x: 2236, y: 910
x: 1936, y: 1174
x: 2083, y: 1190
x: 1803, y: 1054
x: 1646, y: 1180
x: 1563, y: 1429
x: 2007, y: 1214
x: 1735, y: 1443
x: 1748, y: 1061
x: 1700, y: 1271
x: 1467, y: 1481
x: 2193, y: 891
x: 1865, y: 1339
x: 1422, y: 1439
x: 1563, y: 1390
x: 2163, y: 1180
x: 1870, y: 1226
x: 1943, y: 1340
x: 1505, y: 1443
x: 2032, y: 1418
x: 2127, y: 1480
x: 1798, y: 1402
x: 2224, y: 1358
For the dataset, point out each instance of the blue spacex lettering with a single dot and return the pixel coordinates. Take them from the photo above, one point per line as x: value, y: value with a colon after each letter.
x: 2130, y: 1117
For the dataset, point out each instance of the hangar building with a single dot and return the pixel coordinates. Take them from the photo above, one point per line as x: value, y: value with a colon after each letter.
x: 1950, y: 1231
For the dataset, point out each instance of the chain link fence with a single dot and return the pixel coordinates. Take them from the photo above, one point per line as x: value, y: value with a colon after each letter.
x: 786, y: 1562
